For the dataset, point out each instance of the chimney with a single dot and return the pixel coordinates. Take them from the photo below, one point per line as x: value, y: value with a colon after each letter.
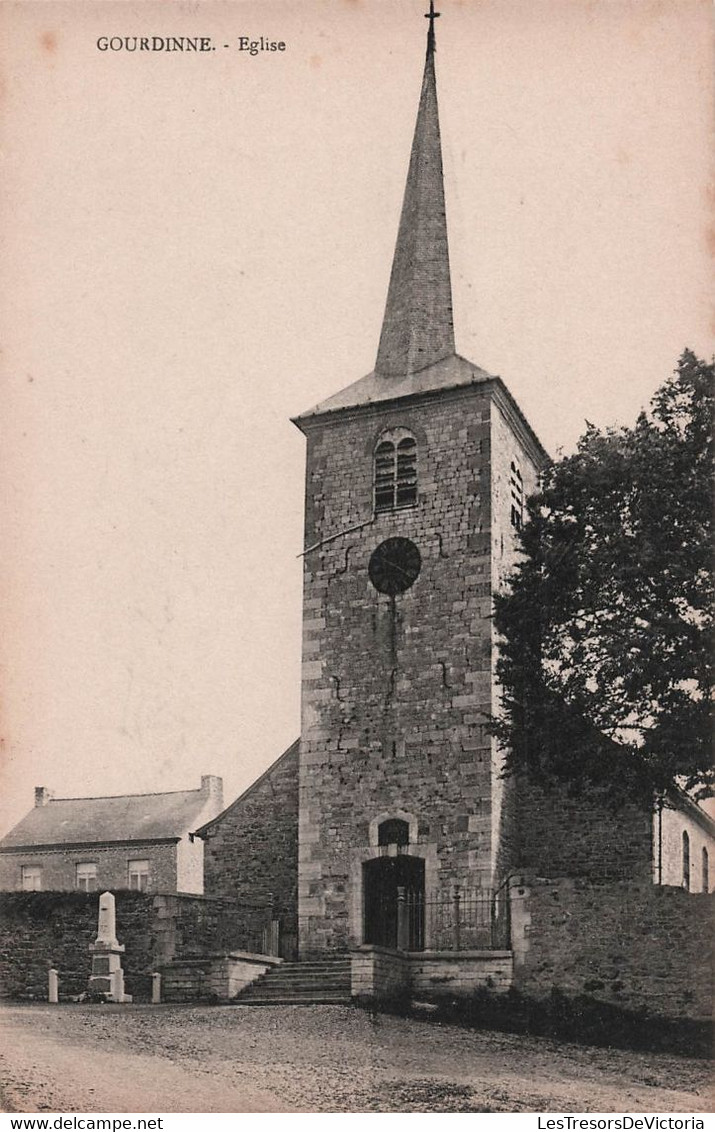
x: 42, y: 795
x: 212, y: 787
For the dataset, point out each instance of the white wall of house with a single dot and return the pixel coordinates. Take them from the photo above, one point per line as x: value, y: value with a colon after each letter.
x: 190, y: 865
x: 684, y: 863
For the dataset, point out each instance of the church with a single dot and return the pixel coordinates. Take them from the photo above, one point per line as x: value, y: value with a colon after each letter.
x: 415, y: 482
x: 389, y: 829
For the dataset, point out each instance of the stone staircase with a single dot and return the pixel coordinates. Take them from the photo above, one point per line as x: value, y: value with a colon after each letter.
x: 320, y: 981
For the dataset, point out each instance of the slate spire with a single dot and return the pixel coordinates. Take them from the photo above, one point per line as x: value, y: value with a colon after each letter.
x: 417, y: 329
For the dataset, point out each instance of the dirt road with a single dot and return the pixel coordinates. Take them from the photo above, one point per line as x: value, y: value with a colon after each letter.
x: 316, y: 1059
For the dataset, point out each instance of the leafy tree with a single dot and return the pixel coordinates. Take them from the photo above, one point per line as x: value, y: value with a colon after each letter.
x: 606, y: 628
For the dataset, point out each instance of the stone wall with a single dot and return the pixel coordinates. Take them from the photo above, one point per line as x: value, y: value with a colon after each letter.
x: 112, y: 861
x: 639, y: 946
x: 506, y: 449
x: 580, y: 835
x: 396, y: 692
x: 213, y: 977
x: 379, y: 973
x: 459, y: 973
x: 39, y: 930
x: 251, y: 849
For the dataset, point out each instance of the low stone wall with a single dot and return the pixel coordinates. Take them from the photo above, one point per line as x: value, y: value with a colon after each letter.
x: 39, y: 930
x: 459, y: 972
x: 379, y: 973
x: 632, y: 944
x: 192, y: 926
x: 212, y: 977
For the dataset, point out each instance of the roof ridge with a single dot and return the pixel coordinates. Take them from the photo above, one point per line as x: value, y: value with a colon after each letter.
x: 256, y: 782
x: 106, y: 797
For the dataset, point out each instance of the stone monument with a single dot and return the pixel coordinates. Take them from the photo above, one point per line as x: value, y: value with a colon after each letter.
x: 107, y: 978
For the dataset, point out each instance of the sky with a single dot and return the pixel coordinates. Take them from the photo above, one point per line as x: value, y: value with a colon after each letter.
x: 197, y: 247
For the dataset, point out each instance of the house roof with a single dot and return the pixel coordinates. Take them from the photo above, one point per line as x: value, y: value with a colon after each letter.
x: 127, y: 817
x: 292, y: 750
x: 680, y: 800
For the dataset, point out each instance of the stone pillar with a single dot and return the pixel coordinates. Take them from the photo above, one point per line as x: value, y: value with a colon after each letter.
x: 403, y: 927
x: 520, y: 921
x: 107, y: 978
x: 156, y: 988
x: 52, y: 985
x: 457, y: 912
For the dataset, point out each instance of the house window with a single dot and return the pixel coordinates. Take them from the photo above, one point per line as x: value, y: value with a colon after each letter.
x: 706, y: 872
x: 31, y: 878
x: 86, y: 876
x: 686, y: 861
x: 395, y: 471
x: 516, y: 486
x: 394, y: 831
x: 139, y: 875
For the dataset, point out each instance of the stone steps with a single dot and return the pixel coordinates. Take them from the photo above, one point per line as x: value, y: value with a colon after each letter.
x: 311, y: 983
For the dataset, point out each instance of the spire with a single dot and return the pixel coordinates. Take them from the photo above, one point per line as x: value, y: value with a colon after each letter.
x: 417, y: 329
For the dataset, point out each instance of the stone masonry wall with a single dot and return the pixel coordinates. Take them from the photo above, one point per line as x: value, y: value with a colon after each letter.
x: 506, y: 449
x: 217, y: 977
x: 396, y: 691
x: 251, y: 852
x: 630, y: 943
x: 39, y: 930
x: 459, y: 974
x: 58, y: 866
x: 581, y: 835
x: 378, y: 973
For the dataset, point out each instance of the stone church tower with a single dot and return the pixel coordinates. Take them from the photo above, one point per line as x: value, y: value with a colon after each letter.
x: 416, y: 477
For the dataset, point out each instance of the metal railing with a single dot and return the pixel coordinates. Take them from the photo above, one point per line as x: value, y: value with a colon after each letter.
x: 465, y: 919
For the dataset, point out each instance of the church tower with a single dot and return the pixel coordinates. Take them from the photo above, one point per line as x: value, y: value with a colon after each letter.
x: 416, y: 477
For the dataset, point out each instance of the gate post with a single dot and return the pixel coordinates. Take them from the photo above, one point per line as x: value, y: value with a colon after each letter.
x: 456, y: 901
x: 156, y: 988
x: 403, y: 927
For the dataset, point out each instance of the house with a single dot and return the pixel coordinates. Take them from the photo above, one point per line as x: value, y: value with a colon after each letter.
x: 135, y: 841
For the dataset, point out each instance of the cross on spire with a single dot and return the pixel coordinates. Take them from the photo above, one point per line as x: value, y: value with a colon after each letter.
x: 431, y: 16
x: 417, y: 330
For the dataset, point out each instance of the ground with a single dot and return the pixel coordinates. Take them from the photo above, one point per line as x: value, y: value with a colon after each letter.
x: 315, y: 1059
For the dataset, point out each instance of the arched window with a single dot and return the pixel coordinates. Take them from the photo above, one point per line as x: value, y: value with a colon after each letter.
x: 686, y: 861
x: 706, y: 872
x: 516, y: 485
x: 395, y: 470
x: 394, y: 831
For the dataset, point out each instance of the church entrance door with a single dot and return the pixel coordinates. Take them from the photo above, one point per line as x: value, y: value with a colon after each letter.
x: 393, y: 901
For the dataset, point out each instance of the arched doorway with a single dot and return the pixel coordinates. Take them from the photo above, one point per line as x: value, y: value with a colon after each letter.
x: 393, y: 901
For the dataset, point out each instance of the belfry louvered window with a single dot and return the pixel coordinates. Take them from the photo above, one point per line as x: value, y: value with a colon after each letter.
x: 516, y: 485
x: 395, y: 471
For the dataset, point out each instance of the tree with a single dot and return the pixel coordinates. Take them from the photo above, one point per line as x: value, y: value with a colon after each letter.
x: 606, y: 628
